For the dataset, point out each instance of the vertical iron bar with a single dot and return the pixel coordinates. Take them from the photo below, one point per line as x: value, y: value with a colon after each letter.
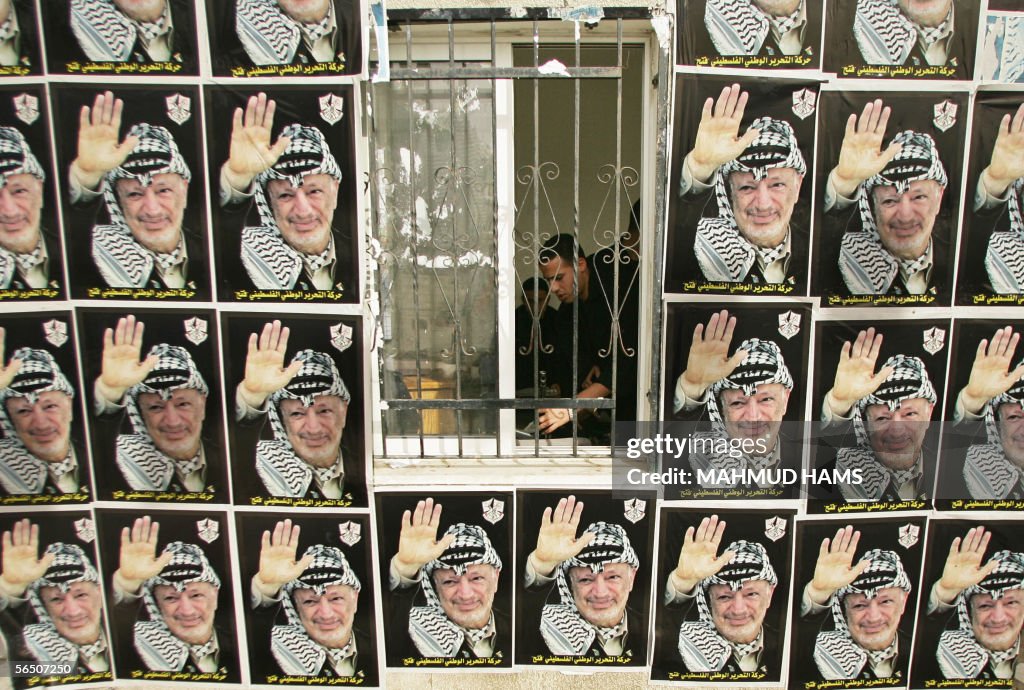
x: 576, y: 234
x: 415, y: 225
x: 617, y: 245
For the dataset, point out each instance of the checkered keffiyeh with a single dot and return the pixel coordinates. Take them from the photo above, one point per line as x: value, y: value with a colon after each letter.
x: 120, y: 259
x: 700, y: 645
x: 431, y: 631
x: 271, y: 37
x: 722, y: 252
x: 1004, y: 260
x: 988, y: 473
x: 883, y: 34
x: 563, y: 628
x: 866, y: 265
x: 16, y: 157
x: 269, y: 260
x: 836, y: 654
x: 959, y: 654
x: 106, y: 34
x: 294, y: 650
x: 739, y: 27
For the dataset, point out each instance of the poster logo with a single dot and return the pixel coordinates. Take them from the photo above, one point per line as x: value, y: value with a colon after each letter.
x: 209, y: 530
x: 341, y: 336
x: 789, y: 324
x: 350, y: 533
x: 56, y: 332
x: 934, y: 340
x: 908, y: 535
x: 494, y: 510
x: 332, y: 108
x: 179, y: 108
x: 804, y: 103
x: 26, y: 108
x: 196, y: 330
x: 775, y: 528
x: 945, y: 114
x: 635, y: 510
x: 85, y: 529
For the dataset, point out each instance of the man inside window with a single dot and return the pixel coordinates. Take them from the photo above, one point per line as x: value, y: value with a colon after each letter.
x: 733, y: 592
x: 288, y: 32
x: 307, y: 405
x: 772, y: 27
x: 63, y: 590
x: 164, y: 397
x: 890, y: 412
x: 893, y: 33
x: 29, y: 253
x: 745, y: 396
x: 593, y: 576
x: 1002, y: 183
x: 142, y: 31
x: 144, y: 184
x: 319, y: 595
x: 983, y: 637
x: 37, y: 453
x: 294, y: 185
x: 458, y: 578
x: 755, y: 179
x: 895, y: 248
x: 180, y: 591
x: 866, y: 601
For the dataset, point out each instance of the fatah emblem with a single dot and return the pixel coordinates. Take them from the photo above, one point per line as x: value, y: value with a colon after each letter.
x: 494, y: 510
x: 635, y: 509
x: 804, y: 102
x: 789, y: 324
x: 945, y: 114
x: 56, y: 332
x: 934, y: 340
x: 209, y: 530
x: 196, y: 330
x: 179, y: 108
x: 908, y: 535
x: 775, y: 528
x: 85, y: 529
x: 350, y: 533
x: 341, y: 336
x: 26, y: 108
x: 332, y: 108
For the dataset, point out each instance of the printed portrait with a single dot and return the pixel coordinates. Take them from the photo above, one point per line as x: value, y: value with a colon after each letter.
x: 285, y: 214
x: 155, y: 409
x: 296, y: 404
x: 134, y: 208
x: 446, y: 573
x: 19, y: 39
x: 1001, y: 58
x: 723, y: 582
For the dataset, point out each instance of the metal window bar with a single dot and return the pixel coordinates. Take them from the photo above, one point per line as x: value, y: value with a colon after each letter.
x: 385, y: 256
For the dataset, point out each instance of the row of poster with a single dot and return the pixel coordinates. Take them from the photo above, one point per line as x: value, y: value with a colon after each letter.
x: 491, y: 579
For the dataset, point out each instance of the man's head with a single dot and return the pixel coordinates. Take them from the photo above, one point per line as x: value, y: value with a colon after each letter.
x: 148, y: 192
x: 323, y: 600
x: 561, y: 259
x: 169, y: 405
x: 1004, y: 422
x: 183, y: 596
x: 305, y: 11
x: 869, y: 609
x: 299, y: 193
x: 993, y: 609
x: 464, y: 577
x: 763, y: 184
x: 535, y: 292
x: 929, y: 13
x: 601, y: 576
x: 21, y: 193
x: 309, y: 412
x: 900, y: 204
x: 736, y: 598
x: 894, y: 420
x: 750, y: 402
x: 67, y: 596
x: 36, y: 408
x: 141, y: 10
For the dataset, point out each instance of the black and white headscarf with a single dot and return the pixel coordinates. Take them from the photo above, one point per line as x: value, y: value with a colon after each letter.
x: 722, y: 252
x: 16, y: 158
x: 157, y: 646
x: 271, y: 37
x: 866, y: 265
x: 46, y: 645
x: 105, y: 34
x: 20, y: 471
x: 763, y: 364
x: 283, y: 472
x: 908, y: 380
x: 739, y: 27
x: 144, y: 466
x: 272, y: 264
x: 119, y: 257
x: 294, y: 650
x: 431, y: 631
x: 959, y: 654
x: 700, y: 645
x: 836, y: 653
x: 886, y: 36
x: 1004, y: 260
x: 988, y: 473
x: 563, y: 628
